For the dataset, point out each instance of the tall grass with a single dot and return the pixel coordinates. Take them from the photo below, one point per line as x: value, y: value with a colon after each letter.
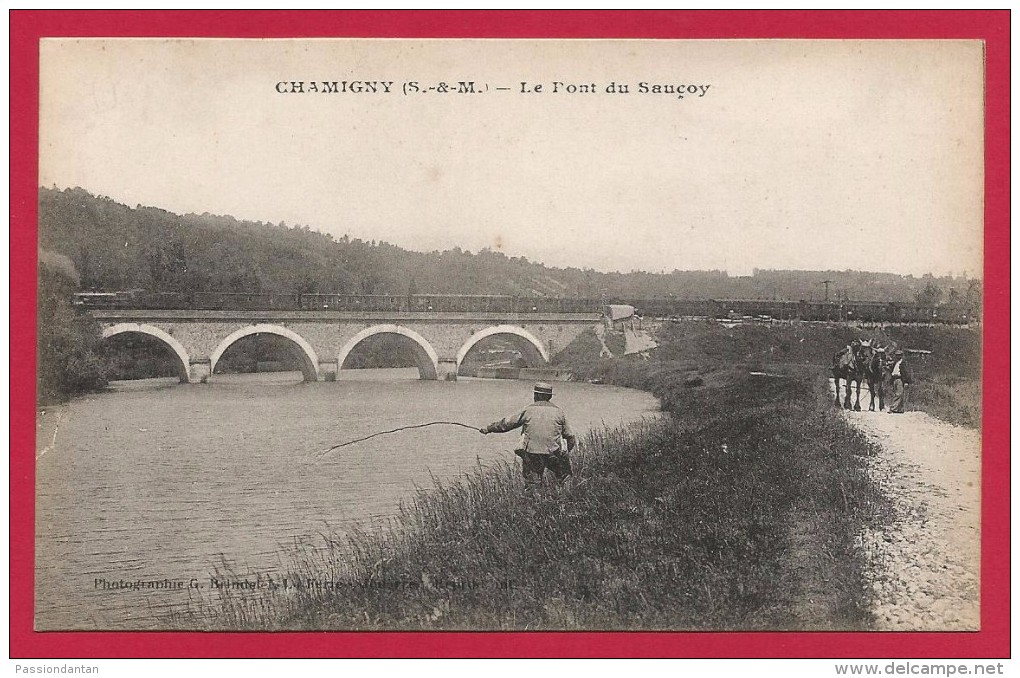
x: 738, y: 511
x: 953, y: 399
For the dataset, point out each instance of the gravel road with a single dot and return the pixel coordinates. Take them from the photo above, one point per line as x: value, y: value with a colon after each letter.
x: 925, y: 567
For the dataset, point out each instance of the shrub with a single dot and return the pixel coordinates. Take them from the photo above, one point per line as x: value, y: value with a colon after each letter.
x: 69, y: 354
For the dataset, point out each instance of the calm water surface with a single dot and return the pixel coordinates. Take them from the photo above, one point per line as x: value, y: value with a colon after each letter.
x: 158, y: 481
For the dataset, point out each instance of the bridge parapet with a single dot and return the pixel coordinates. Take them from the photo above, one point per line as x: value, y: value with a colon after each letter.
x: 349, y: 316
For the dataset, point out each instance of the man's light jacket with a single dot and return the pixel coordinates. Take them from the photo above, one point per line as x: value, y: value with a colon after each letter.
x: 544, y: 426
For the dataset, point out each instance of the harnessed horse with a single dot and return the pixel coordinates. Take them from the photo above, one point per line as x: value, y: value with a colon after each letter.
x: 875, y: 373
x: 851, y: 365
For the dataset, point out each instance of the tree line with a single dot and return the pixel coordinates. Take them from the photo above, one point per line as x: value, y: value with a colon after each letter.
x: 116, y: 247
x: 90, y: 242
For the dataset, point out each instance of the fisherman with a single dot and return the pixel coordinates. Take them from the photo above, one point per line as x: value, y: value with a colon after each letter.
x: 900, y: 376
x: 541, y: 445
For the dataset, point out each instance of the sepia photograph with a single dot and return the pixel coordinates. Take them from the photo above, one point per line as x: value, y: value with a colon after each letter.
x: 343, y: 334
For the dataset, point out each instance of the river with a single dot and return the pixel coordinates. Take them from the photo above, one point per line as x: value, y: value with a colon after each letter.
x: 152, y: 486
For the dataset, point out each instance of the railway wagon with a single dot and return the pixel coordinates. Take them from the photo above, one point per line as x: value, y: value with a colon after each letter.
x: 670, y: 308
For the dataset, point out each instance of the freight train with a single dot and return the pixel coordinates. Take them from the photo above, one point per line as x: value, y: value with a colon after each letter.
x: 830, y: 311
x: 723, y: 309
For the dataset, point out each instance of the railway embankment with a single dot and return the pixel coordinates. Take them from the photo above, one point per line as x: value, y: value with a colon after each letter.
x: 947, y: 369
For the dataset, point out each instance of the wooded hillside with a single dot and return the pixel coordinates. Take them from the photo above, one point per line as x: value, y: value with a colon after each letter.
x: 116, y: 247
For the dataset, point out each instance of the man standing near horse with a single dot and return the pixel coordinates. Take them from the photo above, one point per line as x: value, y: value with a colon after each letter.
x: 900, y: 376
x: 544, y: 428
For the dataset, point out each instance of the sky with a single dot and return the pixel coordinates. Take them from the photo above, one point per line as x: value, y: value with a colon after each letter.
x: 811, y: 155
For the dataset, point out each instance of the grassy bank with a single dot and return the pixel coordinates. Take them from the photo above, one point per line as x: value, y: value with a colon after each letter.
x: 947, y: 380
x: 737, y: 512
x: 953, y: 399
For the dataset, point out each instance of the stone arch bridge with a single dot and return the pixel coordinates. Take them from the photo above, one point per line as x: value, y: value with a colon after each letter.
x: 324, y: 339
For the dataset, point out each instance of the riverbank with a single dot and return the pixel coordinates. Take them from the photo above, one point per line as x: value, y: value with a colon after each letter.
x: 738, y: 511
x: 947, y: 376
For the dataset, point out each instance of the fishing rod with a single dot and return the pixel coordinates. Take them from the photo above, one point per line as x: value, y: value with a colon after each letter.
x: 401, y: 428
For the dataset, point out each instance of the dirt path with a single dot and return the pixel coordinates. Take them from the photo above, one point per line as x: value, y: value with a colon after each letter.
x: 925, y: 567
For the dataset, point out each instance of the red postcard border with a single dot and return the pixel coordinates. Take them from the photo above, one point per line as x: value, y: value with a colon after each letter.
x: 992, y: 26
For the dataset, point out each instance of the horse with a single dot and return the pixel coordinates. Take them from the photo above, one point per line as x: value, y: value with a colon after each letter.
x: 875, y: 373
x: 851, y: 365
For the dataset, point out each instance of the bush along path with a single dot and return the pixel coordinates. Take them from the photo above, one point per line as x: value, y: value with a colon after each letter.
x: 739, y: 511
x: 924, y: 567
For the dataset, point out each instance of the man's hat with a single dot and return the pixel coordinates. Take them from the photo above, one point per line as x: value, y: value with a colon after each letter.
x: 543, y: 388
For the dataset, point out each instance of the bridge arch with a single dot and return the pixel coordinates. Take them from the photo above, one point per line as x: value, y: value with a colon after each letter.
x: 309, y: 361
x: 425, y: 355
x: 184, y: 361
x: 501, y: 329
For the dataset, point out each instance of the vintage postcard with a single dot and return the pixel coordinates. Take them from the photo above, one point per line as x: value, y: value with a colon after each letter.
x: 510, y: 335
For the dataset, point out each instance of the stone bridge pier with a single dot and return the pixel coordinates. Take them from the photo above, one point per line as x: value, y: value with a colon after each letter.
x: 323, y: 340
